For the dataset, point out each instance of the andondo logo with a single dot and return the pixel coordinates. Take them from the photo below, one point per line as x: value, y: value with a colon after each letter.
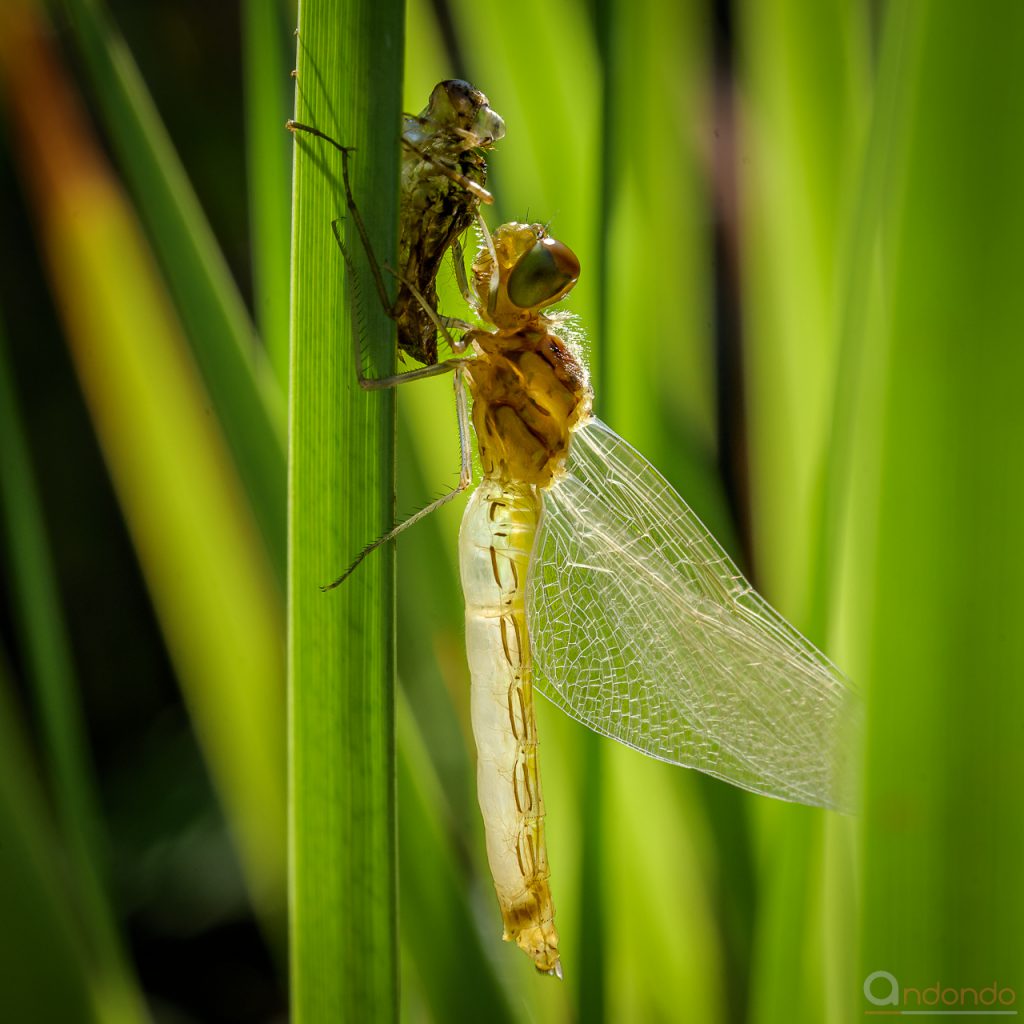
x: 883, y: 989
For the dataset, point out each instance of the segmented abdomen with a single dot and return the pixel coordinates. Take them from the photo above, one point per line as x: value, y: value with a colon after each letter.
x: 495, y: 542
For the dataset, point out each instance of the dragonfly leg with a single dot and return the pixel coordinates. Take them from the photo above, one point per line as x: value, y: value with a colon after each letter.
x: 492, y: 291
x: 442, y: 323
x: 450, y: 172
x: 465, y: 475
x: 407, y: 376
x: 378, y: 277
x: 455, y: 323
x: 379, y: 383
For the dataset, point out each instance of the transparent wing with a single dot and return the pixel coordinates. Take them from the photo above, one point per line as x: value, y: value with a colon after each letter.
x: 644, y: 630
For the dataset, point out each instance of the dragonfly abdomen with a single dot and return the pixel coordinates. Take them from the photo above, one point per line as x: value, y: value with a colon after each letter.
x: 495, y: 542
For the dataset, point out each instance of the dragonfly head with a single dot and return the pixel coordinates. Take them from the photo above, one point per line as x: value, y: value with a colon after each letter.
x: 455, y: 106
x: 520, y: 272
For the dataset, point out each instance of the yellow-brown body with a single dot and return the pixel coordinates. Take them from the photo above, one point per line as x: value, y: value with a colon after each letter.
x: 529, y: 393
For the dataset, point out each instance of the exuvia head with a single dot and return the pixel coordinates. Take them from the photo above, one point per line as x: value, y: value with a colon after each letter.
x: 456, y: 106
x: 519, y: 271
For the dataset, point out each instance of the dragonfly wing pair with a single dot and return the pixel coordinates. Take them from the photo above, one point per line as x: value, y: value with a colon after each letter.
x: 644, y: 630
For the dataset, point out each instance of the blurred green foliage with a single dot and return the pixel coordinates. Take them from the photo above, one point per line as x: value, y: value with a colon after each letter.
x: 800, y: 225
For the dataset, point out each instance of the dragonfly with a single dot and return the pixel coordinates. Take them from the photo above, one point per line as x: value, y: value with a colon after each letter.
x: 589, y: 580
x: 444, y: 171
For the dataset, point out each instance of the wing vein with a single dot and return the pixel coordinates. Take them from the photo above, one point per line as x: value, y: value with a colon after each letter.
x: 643, y: 629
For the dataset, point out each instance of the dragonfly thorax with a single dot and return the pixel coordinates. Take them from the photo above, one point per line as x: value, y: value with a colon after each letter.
x: 529, y: 393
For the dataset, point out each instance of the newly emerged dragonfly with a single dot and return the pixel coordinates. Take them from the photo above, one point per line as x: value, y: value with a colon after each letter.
x: 444, y: 171
x: 589, y: 579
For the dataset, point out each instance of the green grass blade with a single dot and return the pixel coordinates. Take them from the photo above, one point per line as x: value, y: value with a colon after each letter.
x: 804, y: 72
x: 541, y: 151
x: 52, y: 677
x: 939, y: 563
x: 656, y: 387
x: 269, y: 171
x: 590, y: 977
x: 245, y: 395
x: 845, y: 486
x: 804, y: 68
x: 340, y: 494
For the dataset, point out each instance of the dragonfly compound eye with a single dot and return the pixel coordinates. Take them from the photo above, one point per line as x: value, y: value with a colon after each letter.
x: 543, y: 274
